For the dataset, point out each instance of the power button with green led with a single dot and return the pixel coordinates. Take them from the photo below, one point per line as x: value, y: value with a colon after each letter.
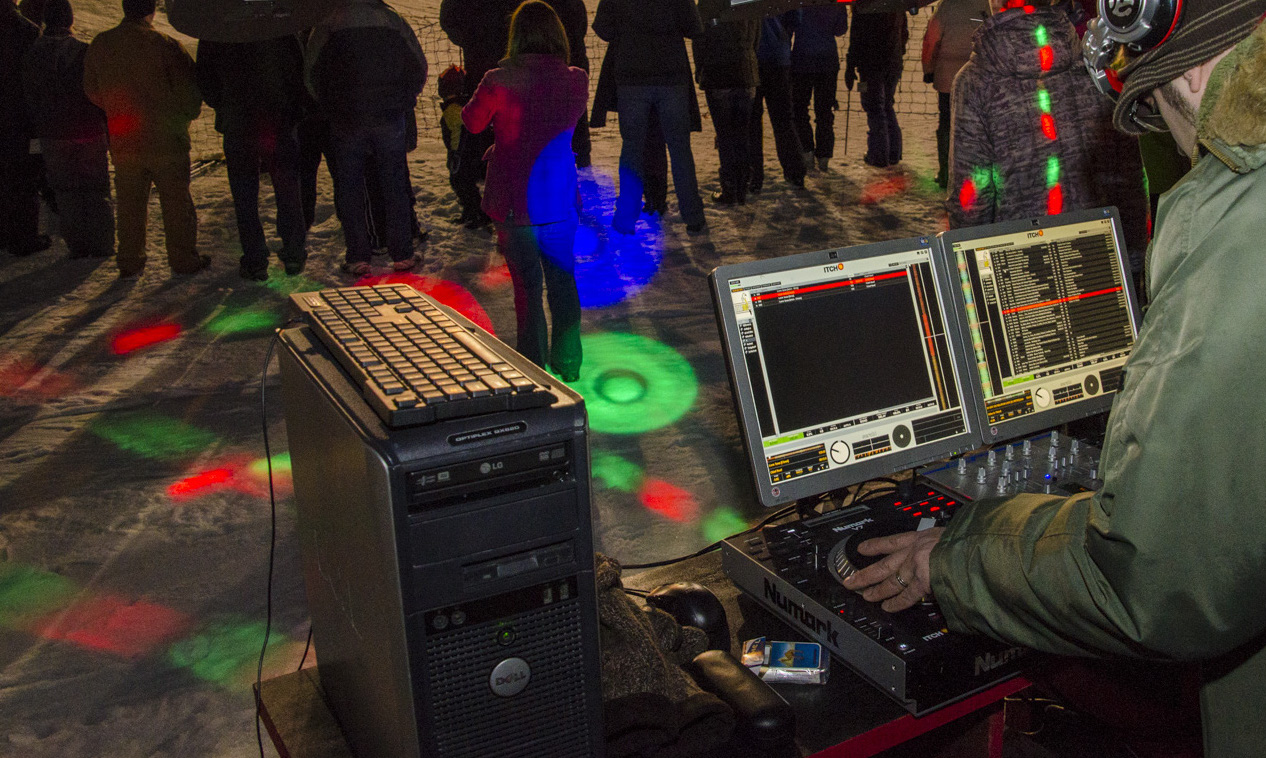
x: 506, y: 635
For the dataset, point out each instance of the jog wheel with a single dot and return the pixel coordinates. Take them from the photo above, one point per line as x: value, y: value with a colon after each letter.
x: 1091, y: 385
x: 901, y: 435
x: 844, y: 560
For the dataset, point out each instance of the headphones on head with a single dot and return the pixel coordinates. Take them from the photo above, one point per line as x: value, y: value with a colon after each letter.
x: 1125, y: 28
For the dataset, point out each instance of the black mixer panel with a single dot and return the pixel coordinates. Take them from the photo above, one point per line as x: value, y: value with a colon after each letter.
x: 795, y: 570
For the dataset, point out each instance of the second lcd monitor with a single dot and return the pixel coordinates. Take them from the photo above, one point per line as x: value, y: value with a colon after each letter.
x: 854, y: 363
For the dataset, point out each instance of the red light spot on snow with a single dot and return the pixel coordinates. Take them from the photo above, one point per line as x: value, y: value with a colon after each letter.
x: 449, y: 293
x: 882, y: 189
x: 115, y: 625
x: 1048, y: 126
x: 15, y: 375
x: 237, y: 473
x: 1055, y: 200
x: 668, y: 500
x: 200, y: 484
x: 135, y: 339
x: 967, y: 195
x: 495, y: 278
x: 1046, y: 57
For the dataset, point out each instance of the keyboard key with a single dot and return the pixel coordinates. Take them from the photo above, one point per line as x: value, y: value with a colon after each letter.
x: 477, y: 388
x: 498, y: 385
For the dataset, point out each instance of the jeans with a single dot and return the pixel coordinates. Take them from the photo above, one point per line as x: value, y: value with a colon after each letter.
x: 247, y: 155
x: 314, y: 143
x: 542, y: 256
x: 731, y: 110
x: 385, y: 140
x: 943, y: 129
x: 78, y: 172
x: 169, y: 174
x: 878, y: 89
x: 818, y: 86
x: 671, y: 103
x: 774, y: 93
x: 655, y: 167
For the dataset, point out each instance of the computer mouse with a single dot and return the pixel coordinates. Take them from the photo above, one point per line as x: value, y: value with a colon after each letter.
x: 694, y: 605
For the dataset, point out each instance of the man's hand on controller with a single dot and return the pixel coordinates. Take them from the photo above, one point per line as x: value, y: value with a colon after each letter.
x: 903, y: 577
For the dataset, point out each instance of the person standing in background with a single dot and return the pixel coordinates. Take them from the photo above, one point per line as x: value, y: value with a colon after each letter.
x: 1031, y: 134
x: 532, y: 101
x: 19, y: 171
x: 725, y: 67
x: 773, y: 62
x: 256, y: 89
x: 876, y: 47
x: 72, y: 135
x: 947, y: 45
x: 144, y: 81
x: 365, y: 70
x: 815, y: 73
x: 480, y: 28
x: 652, y: 74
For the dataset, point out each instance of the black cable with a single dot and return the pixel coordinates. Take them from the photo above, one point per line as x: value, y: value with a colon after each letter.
x: 306, y: 647
x: 781, y: 512
x: 272, y: 541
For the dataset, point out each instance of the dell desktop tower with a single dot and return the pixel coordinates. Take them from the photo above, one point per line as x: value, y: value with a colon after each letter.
x: 449, y: 570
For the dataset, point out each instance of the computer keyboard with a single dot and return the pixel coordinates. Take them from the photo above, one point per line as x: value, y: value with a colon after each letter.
x: 414, y: 364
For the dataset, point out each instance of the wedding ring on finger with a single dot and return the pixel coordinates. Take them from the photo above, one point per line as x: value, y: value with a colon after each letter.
x: 904, y: 584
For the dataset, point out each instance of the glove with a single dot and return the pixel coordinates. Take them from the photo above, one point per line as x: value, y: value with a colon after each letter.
x: 652, y: 708
x: 850, y: 77
x: 928, y: 77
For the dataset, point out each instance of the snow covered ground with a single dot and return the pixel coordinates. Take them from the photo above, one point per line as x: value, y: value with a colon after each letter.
x: 134, y: 516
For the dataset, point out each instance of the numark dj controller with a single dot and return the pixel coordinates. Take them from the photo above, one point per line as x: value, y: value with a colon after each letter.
x: 927, y: 356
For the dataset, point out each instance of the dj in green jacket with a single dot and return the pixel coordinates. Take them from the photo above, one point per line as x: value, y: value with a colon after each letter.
x: 1168, y: 559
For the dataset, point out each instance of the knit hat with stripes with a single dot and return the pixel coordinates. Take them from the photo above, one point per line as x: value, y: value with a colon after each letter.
x: 1205, y: 29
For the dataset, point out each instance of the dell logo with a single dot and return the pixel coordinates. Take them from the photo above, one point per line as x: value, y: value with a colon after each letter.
x: 510, y: 677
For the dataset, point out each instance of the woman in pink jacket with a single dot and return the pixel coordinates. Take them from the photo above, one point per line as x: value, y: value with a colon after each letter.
x: 533, y: 100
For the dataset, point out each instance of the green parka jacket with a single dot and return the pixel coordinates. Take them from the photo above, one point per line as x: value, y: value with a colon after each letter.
x: 1168, y: 560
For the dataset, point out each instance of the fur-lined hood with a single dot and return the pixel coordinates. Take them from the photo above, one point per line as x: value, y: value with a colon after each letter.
x: 1232, y: 120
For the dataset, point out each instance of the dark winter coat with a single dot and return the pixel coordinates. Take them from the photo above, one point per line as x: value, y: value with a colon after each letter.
x: 481, y: 28
x: 575, y: 18
x: 947, y: 43
x: 816, y: 50
x: 53, y: 79
x: 999, y: 145
x: 605, y: 98
x: 144, y: 81
x: 17, y: 35
x: 364, y: 61
x: 652, y: 38
x: 725, y: 54
x: 533, y: 105
x: 774, y: 45
x: 877, y: 42
x: 254, y: 87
